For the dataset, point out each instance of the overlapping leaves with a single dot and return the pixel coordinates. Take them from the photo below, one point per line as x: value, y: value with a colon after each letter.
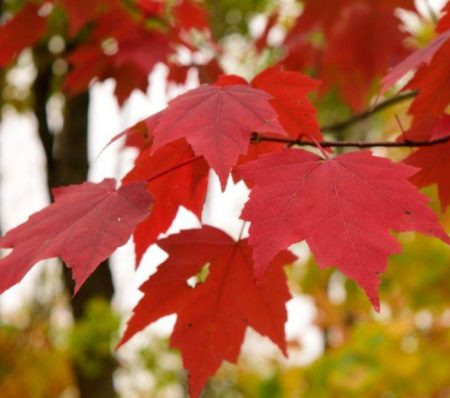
x: 343, y: 207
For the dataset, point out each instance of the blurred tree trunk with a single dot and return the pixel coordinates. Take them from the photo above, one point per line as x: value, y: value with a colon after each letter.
x: 67, y: 160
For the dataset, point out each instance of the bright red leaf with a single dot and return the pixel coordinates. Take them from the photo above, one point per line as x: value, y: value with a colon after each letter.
x: 183, y: 186
x: 426, y: 128
x: 191, y: 15
x: 14, y: 37
x: 151, y: 8
x: 343, y: 208
x: 296, y: 113
x: 434, y: 164
x: 413, y: 61
x: 262, y: 42
x: 120, y: 48
x: 213, y: 316
x: 84, y: 226
x: 444, y: 22
x: 358, y: 46
x: 80, y: 12
x: 140, y: 135
x: 218, y: 122
x: 433, y: 85
x: 365, y: 42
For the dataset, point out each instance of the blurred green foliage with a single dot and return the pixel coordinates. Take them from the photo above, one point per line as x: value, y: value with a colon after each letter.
x: 91, y: 339
x: 233, y: 16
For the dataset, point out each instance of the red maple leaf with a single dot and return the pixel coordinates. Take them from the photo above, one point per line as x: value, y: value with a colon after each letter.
x: 151, y: 8
x: 84, y: 225
x: 217, y: 122
x: 343, y: 208
x: 120, y: 48
x: 365, y: 41
x: 23, y: 30
x: 413, y: 61
x: 173, y: 187
x: 434, y: 163
x: 191, y: 15
x: 432, y: 83
x: 431, y: 79
x: 262, y: 42
x: 213, y: 316
x: 444, y: 22
x: 296, y: 113
x: 81, y: 12
x: 140, y: 135
x: 426, y: 128
x: 358, y: 47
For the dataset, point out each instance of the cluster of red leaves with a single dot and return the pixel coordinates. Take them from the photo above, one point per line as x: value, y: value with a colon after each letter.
x: 111, y: 40
x: 14, y: 38
x: 430, y: 120
x: 359, y: 41
x: 344, y: 207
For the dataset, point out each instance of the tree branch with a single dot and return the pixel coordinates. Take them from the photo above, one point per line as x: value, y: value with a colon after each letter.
x: 337, y: 127
x: 355, y: 144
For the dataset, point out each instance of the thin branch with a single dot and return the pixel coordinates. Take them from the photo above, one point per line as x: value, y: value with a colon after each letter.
x: 337, y: 127
x: 355, y: 144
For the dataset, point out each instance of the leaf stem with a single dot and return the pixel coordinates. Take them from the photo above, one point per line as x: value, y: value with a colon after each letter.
x: 241, y: 232
x: 319, y: 146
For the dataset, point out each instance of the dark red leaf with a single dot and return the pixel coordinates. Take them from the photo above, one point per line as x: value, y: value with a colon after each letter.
x: 14, y: 37
x: 185, y: 186
x: 213, y: 316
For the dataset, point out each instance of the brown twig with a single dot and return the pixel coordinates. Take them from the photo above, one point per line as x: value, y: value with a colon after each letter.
x: 337, y: 127
x: 355, y: 144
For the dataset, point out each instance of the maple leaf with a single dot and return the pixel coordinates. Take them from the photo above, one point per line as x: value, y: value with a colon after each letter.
x: 151, y: 8
x: 413, y: 61
x: 14, y: 38
x: 80, y: 12
x: 262, y: 42
x: 177, y: 73
x: 212, y: 317
x: 84, y: 225
x: 343, y: 208
x: 444, y: 22
x: 140, y: 135
x: 365, y: 41
x: 217, y: 122
x: 427, y: 127
x: 431, y: 81
x: 296, y: 113
x: 120, y: 48
x: 359, y: 46
x: 432, y: 74
x: 190, y: 15
x: 174, y: 187
x: 434, y: 164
